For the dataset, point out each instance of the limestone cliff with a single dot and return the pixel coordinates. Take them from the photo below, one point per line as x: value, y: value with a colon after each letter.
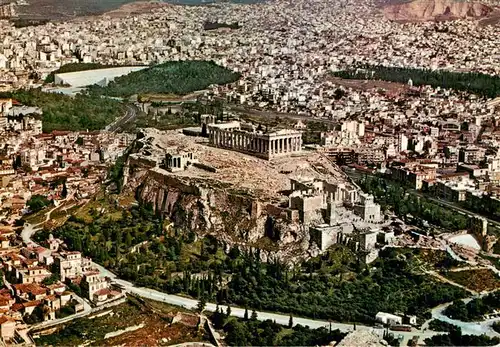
x: 235, y: 217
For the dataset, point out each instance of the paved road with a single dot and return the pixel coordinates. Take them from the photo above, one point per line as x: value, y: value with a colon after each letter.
x: 240, y: 312
x: 130, y: 115
x: 469, y: 328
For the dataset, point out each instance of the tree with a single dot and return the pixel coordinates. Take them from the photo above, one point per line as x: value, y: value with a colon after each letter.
x: 37, y: 202
x: 54, y: 278
x: 202, y: 303
x: 218, y: 318
x: 228, y: 311
x: 128, y: 240
x: 64, y: 192
x: 245, y: 316
x: 254, y: 315
x: 17, y: 162
x: 290, y: 322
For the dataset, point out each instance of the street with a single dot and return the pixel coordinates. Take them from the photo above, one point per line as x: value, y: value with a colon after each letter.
x: 240, y: 312
x: 130, y: 115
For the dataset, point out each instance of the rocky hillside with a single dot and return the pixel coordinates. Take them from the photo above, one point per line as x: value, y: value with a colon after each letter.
x: 431, y: 10
x: 233, y: 217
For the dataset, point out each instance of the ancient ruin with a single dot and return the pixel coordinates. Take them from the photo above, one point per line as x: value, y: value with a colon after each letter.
x: 245, y: 138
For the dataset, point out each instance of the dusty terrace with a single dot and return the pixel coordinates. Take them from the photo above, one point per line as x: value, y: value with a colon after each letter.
x: 265, y: 179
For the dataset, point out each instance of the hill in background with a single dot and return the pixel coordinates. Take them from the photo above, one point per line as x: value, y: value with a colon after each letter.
x: 175, y: 77
x: 431, y: 10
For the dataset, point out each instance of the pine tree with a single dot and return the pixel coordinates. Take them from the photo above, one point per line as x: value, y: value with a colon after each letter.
x: 64, y: 192
x: 201, y: 304
x: 290, y: 322
x: 245, y: 317
x: 128, y: 239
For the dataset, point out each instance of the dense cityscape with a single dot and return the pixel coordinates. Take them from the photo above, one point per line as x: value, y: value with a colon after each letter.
x: 246, y: 174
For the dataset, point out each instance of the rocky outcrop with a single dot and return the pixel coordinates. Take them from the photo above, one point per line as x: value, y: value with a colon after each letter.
x: 436, y: 10
x: 234, y: 217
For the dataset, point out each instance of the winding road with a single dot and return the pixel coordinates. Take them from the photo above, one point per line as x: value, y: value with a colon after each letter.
x: 283, y: 319
x: 131, y: 114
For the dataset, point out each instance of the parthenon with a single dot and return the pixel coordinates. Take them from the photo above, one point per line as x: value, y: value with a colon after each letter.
x: 267, y: 145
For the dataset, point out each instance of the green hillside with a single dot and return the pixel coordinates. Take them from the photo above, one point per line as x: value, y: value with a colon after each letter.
x: 175, y: 77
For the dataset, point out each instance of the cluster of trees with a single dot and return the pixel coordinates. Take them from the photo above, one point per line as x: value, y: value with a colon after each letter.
x: 474, y: 309
x: 62, y: 112
x: 117, y: 170
x: 175, y: 77
x: 439, y: 325
x: 251, y: 332
x: 38, y: 202
x: 215, y: 107
x: 485, y: 206
x: 217, y: 25
x: 312, y: 135
x: 185, y: 115
x: 25, y: 22
x: 137, y: 247
x: 54, y: 278
x: 455, y: 338
x: 107, y: 240
x: 477, y: 83
x: 395, y: 197
x: 166, y: 120
x: 75, y: 67
x: 348, y: 294
x: 496, y: 327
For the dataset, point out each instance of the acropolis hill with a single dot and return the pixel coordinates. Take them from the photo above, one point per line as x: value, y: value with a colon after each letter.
x: 246, y: 200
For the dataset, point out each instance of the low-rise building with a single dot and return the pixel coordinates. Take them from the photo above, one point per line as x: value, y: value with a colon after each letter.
x: 387, y: 318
